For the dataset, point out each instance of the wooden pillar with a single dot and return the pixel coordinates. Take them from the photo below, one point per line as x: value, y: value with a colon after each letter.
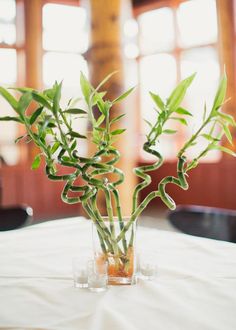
x: 225, y: 10
x: 105, y: 55
x: 32, y: 11
x: 33, y: 43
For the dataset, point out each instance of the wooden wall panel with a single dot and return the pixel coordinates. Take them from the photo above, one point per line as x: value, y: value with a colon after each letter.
x: 24, y: 186
x: 209, y: 184
x: 105, y: 55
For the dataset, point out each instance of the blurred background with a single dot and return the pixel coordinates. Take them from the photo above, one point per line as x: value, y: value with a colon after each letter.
x: 154, y: 44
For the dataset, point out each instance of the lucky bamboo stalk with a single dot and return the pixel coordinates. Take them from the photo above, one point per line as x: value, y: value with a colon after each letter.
x: 50, y: 128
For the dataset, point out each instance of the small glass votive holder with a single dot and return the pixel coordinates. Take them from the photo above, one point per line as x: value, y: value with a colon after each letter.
x: 80, y: 272
x: 97, y: 276
x: 147, y: 267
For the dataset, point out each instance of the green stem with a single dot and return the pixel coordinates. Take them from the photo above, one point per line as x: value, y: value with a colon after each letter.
x: 119, y: 215
x: 137, y: 212
x: 140, y: 171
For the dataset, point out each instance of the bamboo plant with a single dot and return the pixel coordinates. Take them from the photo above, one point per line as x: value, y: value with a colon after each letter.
x: 50, y: 128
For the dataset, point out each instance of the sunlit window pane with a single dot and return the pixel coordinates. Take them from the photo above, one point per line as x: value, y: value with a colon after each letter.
x: 8, y: 130
x: 10, y: 153
x: 205, y: 62
x: 7, y: 33
x: 8, y: 150
x: 197, y: 21
x: 131, y: 28
x: 7, y: 10
x: 156, y: 30
x: 158, y: 74
x: 66, y: 67
x: 64, y: 28
x: 131, y: 50
x: 8, y: 66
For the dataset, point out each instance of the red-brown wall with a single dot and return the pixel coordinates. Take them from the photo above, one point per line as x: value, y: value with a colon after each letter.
x: 209, y: 184
x: 21, y: 185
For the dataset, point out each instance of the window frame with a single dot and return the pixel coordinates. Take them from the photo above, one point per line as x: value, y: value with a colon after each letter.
x: 140, y: 8
x: 20, y: 47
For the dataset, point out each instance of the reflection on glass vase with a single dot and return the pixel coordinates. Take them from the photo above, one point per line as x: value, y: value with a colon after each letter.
x: 114, y: 242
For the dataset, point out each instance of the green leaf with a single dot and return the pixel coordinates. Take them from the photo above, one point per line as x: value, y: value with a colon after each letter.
x: 24, y: 102
x: 158, y: 130
x: 95, y: 141
x: 96, y: 134
x: 22, y: 89
x: 73, y: 146
x: 192, y: 165
x: 228, y: 118
x: 56, y: 98
x: 8, y: 118
x: 220, y: 94
x: 36, y: 162
x: 85, y: 87
x: 51, y: 125
x: 178, y: 93
x: 210, y: 138
x: 105, y: 80
x: 41, y: 99
x: 100, y: 120
x: 55, y: 147
x: 9, y: 98
x: 98, y: 96
x: 100, y: 129
x: 118, y: 131
x: 75, y: 111
x: 43, y: 125
x: 148, y: 122
x: 183, y: 111
x: 123, y: 96
x: 101, y: 106
x: 162, y: 117
x: 158, y: 101
x: 228, y: 134
x: 114, y: 120
x: 35, y: 115
x: 20, y: 138
x: 72, y: 102
x: 223, y: 149
x: 205, y: 112
x: 50, y: 93
x: 104, y: 107
x: 76, y: 135
x: 169, y: 131
x: 65, y: 158
x: 69, y: 102
x: 181, y: 120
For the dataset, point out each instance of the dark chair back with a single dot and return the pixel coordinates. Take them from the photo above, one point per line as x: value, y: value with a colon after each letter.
x: 15, y: 217
x: 205, y: 221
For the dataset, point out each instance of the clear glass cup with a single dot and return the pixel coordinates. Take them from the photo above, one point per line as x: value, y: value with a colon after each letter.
x: 80, y: 272
x: 120, y: 255
x: 147, y: 267
x: 97, y: 276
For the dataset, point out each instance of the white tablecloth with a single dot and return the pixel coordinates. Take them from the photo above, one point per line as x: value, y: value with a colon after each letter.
x: 195, y: 288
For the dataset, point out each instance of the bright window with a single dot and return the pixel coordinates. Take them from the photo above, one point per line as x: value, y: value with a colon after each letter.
x: 174, y: 43
x: 157, y: 31
x: 65, y: 40
x: 8, y: 77
x: 197, y: 22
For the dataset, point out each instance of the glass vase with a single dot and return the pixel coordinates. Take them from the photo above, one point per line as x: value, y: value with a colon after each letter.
x: 114, y: 242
